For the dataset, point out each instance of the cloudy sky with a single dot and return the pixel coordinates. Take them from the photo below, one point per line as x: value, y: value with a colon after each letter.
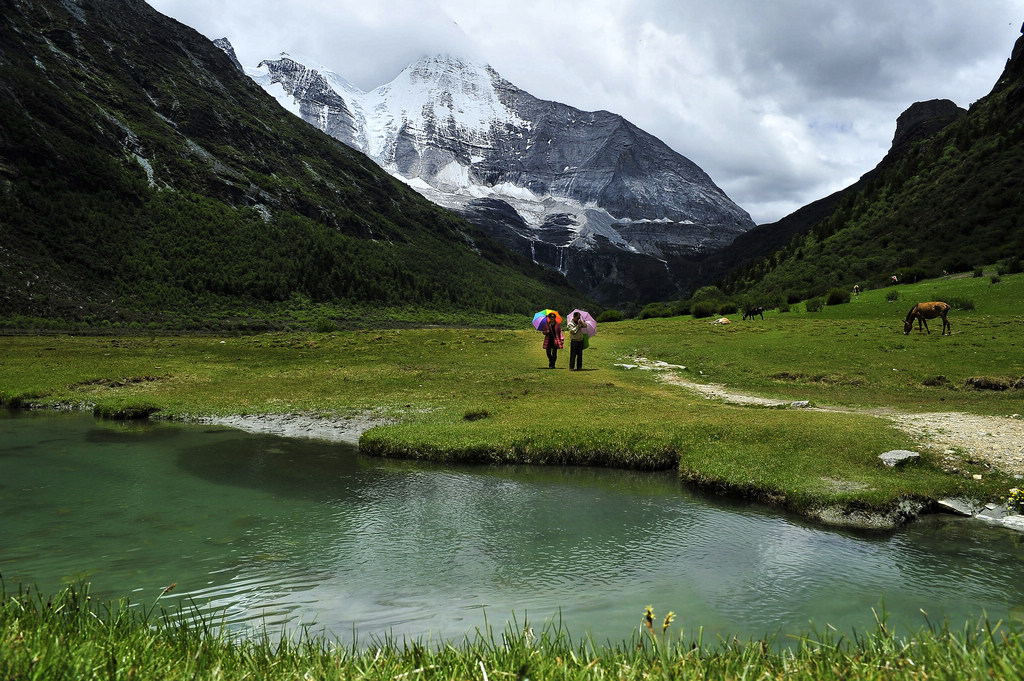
x: 781, y: 102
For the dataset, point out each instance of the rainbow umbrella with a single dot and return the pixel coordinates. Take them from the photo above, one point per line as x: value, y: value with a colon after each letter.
x: 589, y: 322
x: 540, y: 320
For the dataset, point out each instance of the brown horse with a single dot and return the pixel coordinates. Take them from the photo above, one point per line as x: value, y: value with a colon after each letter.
x: 925, y: 311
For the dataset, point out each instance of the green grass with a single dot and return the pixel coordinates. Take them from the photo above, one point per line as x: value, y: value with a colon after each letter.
x: 483, y: 395
x: 464, y: 394
x: 67, y: 636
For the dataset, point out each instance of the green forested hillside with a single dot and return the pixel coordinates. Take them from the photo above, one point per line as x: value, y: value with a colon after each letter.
x: 143, y: 179
x: 952, y: 202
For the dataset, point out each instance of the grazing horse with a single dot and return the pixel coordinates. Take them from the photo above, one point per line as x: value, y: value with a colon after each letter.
x: 751, y: 311
x: 925, y: 311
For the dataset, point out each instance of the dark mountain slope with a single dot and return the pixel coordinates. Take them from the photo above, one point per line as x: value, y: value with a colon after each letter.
x: 921, y: 121
x: 950, y: 202
x: 144, y: 177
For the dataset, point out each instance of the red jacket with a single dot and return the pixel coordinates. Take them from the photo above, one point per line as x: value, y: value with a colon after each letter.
x: 556, y: 334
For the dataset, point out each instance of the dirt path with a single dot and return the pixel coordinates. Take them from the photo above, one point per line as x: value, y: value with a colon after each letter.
x: 995, y: 440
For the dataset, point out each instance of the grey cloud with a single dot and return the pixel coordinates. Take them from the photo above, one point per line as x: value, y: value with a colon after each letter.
x: 780, y: 101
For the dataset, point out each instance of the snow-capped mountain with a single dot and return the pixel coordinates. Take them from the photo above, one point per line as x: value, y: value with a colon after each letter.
x: 588, y: 193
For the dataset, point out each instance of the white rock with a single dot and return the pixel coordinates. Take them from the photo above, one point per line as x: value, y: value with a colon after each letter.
x: 958, y: 506
x: 898, y: 456
x: 1014, y: 522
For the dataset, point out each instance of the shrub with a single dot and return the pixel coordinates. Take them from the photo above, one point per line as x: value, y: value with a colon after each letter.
x: 837, y: 297
x: 705, y: 308
x: 793, y: 297
x: 655, y: 310
x: 892, y: 295
x: 325, y: 325
x: 986, y: 383
x: 961, y: 303
x: 707, y: 293
x: 912, y: 275
x: 978, y: 272
x: 728, y: 308
x: 815, y: 304
x: 680, y: 307
x: 610, y: 316
x: 995, y: 279
x: 1011, y: 265
x: 957, y: 264
x: 783, y: 306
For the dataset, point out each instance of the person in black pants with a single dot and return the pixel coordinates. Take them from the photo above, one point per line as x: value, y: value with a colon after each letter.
x: 577, y: 336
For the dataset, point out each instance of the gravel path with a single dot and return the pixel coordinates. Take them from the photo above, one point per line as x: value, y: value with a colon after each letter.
x: 995, y: 440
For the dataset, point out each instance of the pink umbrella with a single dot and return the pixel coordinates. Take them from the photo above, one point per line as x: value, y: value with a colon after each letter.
x: 588, y: 321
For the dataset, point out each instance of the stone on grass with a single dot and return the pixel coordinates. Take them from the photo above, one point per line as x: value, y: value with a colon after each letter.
x: 896, y: 457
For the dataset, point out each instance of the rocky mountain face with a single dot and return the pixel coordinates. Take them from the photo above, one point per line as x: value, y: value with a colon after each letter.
x: 921, y: 121
x: 586, y: 193
x: 145, y: 179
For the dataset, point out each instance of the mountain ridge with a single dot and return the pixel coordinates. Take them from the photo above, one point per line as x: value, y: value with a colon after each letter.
x: 949, y: 201
x: 919, y: 122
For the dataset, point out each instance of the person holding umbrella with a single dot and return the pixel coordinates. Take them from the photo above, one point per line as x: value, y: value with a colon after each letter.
x: 552, y: 337
x: 581, y: 327
x: 577, y: 336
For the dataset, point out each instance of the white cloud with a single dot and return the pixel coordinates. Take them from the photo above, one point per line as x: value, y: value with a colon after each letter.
x: 780, y: 102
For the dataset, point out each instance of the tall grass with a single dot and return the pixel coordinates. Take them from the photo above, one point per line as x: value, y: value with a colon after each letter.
x: 68, y: 636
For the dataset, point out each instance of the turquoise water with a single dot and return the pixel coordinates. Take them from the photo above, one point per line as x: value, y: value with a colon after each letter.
x: 267, y: 531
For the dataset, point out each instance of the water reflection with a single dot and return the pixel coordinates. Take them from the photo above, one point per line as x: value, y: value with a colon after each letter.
x: 270, y: 531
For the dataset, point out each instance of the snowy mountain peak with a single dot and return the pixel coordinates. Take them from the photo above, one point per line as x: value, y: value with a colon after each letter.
x: 549, y: 180
x: 445, y: 93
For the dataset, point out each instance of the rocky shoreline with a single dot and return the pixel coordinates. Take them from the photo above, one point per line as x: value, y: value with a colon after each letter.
x: 997, y: 442
x: 343, y: 429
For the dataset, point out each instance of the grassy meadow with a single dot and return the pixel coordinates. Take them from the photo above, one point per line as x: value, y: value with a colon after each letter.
x: 485, y: 395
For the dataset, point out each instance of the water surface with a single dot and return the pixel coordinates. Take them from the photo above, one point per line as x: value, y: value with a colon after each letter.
x: 271, y: 531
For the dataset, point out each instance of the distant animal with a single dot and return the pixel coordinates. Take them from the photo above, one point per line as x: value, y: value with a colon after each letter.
x: 925, y: 311
x: 751, y: 311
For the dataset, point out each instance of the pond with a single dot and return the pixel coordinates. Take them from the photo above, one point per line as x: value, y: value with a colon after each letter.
x: 266, y: 531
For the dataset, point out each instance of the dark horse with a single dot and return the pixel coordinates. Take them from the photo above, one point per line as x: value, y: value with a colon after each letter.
x: 751, y: 311
x: 925, y: 311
